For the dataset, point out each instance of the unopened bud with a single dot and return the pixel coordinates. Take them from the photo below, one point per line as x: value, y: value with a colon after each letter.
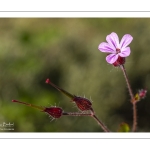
x: 83, y: 103
x: 55, y: 112
x: 142, y: 93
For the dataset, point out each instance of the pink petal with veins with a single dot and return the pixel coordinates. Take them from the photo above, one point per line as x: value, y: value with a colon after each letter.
x: 111, y: 58
x: 125, y: 52
x: 113, y: 40
x: 106, y: 48
x: 126, y: 40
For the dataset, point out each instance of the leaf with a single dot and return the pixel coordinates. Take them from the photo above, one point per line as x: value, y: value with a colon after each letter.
x: 137, y: 97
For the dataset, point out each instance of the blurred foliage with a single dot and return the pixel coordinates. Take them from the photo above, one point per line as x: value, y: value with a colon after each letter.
x: 66, y: 51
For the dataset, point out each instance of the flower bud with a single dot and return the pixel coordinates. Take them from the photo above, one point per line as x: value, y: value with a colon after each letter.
x: 142, y: 93
x: 83, y: 103
x: 55, y: 112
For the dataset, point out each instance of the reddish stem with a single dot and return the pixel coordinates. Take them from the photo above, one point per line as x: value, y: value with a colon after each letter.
x: 132, y: 98
x: 30, y: 105
x: 87, y: 114
x: 59, y: 89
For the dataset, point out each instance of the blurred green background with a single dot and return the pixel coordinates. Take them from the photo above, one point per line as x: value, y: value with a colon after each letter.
x: 66, y: 51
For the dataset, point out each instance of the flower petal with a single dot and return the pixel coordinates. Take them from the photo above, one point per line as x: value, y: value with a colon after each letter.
x: 106, y: 48
x: 111, y: 58
x: 126, y: 40
x: 113, y: 40
x: 125, y: 52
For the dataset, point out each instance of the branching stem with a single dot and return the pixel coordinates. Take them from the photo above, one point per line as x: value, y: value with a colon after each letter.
x: 87, y: 114
x: 132, y: 98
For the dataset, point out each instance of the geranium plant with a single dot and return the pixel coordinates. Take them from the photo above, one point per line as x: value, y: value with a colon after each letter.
x: 116, y: 55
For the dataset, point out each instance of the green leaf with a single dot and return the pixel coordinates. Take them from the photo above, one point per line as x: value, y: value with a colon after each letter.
x: 137, y: 97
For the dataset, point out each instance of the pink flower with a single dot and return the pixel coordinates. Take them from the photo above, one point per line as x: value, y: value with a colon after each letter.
x: 114, y: 48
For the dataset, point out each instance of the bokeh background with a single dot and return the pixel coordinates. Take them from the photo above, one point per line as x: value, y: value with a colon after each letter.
x: 66, y: 51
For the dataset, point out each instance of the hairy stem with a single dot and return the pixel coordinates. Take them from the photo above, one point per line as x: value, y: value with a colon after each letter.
x: 75, y: 114
x: 101, y: 124
x: 134, y: 117
x: 87, y: 114
x: 30, y: 105
x: 132, y: 98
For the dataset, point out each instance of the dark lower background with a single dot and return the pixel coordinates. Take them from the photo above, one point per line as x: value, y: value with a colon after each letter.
x: 66, y: 51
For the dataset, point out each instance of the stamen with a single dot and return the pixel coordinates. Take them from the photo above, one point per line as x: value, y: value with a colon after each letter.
x: 118, y: 50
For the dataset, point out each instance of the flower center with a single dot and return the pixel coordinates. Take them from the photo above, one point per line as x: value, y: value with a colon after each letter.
x: 118, y: 50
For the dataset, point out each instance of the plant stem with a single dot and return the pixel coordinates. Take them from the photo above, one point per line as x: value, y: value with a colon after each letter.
x: 75, y: 114
x: 87, y: 114
x: 132, y: 98
x: 135, y: 117
x: 101, y: 124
